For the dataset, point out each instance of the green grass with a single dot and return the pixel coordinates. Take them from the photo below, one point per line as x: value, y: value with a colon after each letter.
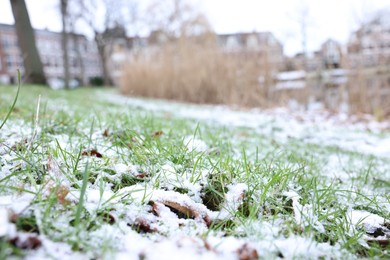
x: 13, y: 104
x: 329, y: 180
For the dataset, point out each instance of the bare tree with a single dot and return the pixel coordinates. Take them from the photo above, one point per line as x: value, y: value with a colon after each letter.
x: 64, y: 41
x: 104, y: 30
x: 32, y: 62
x: 303, y: 19
x: 72, y: 14
x: 176, y: 19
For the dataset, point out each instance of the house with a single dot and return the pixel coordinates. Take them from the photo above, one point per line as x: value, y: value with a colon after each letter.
x: 84, y: 60
x: 331, y: 54
x: 369, y: 46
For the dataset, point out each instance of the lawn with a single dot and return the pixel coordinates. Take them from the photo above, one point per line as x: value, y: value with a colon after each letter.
x: 88, y: 174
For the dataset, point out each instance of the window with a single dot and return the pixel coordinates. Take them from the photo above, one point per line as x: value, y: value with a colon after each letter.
x: 252, y: 41
x: 20, y: 62
x: 9, y: 61
x: 8, y: 41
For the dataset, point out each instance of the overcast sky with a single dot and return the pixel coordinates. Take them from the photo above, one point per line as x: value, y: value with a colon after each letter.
x: 326, y: 18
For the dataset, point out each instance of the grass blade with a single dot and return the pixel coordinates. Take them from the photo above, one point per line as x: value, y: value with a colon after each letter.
x: 13, y: 104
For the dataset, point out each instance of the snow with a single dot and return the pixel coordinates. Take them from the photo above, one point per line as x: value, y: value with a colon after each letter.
x: 16, y: 203
x: 184, y: 238
x: 295, y: 246
x: 291, y: 75
x: 304, y: 214
x: 194, y: 144
x: 316, y: 127
x: 296, y: 84
x: 3, y: 222
x: 233, y: 199
x: 370, y: 221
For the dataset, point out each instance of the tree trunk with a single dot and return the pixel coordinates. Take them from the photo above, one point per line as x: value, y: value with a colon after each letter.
x: 64, y: 42
x: 80, y: 60
x: 32, y: 62
x: 103, y: 58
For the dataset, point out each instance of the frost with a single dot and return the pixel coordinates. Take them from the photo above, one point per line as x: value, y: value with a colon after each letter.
x: 304, y: 214
x: 301, y: 247
x: 233, y: 199
x: 194, y: 144
x: 4, y: 224
x: 160, y: 214
x: 373, y: 224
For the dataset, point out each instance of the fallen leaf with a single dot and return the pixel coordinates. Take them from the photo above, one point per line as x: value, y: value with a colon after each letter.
x: 141, y: 175
x: 156, y: 208
x: 144, y: 225
x: 157, y: 134
x: 106, y: 133
x: 62, y: 191
x: 92, y: 152
x: 191, y: 210
x: 207, y: 245
x: 13, y: 217
x: 247, y: 253
x: 26, y: 241
x: 383, y: 242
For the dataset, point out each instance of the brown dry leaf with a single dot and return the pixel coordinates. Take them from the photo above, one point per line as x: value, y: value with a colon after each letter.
x: 383, y: 242
x: 13, y: 217
x: 92, y: 152
x: 156, y: 208
x: 106, y: 133
x: 144, y: 225
x: 56, y: 176
x: 157, y: 134
x: 62, y: 191
x: 182, y: 204
x: 246, y: 252
x: 141, y: 175
x: 207, y: 245
x: 188, y: 210
x: 29, y: 242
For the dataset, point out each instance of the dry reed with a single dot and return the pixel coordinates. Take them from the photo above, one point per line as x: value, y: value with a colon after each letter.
x: 197, y: 71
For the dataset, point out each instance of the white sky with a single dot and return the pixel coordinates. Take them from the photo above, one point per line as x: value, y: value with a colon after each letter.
x: 326, y: 18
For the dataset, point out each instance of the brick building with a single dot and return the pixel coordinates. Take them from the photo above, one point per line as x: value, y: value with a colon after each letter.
x: 84, y: 62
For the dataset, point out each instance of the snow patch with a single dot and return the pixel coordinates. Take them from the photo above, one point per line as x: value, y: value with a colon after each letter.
x: 194, y: 144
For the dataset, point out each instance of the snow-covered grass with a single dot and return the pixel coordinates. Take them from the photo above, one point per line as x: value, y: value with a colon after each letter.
x: 97, y: 175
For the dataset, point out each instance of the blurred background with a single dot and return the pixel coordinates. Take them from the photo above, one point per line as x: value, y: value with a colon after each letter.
x: 332, y: 55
